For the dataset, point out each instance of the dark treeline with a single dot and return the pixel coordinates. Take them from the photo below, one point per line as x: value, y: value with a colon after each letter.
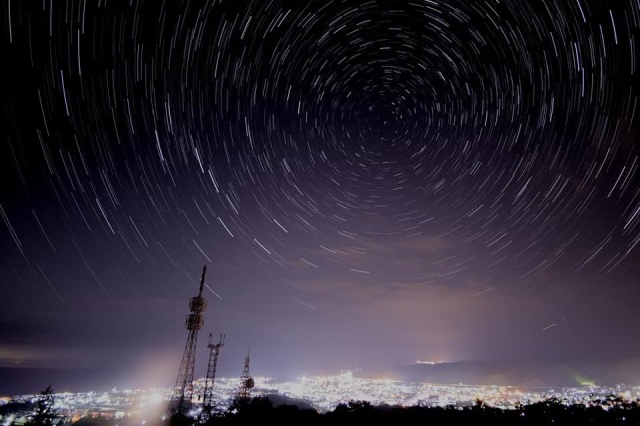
x: 261, y: 410
x: 551, y: 412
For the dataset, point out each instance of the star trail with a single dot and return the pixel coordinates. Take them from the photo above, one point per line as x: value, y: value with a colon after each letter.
x: 368, y: 182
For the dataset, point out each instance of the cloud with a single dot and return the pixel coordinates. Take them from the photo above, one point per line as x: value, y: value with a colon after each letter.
x: 41, y: 356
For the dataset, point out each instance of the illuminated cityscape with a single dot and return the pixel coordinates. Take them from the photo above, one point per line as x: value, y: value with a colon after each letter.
x: 323, y: 393
x: 363, y: 183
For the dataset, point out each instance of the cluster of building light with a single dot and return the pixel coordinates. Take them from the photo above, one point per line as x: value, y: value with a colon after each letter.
x: 70, y: 407
x: 324, y: 393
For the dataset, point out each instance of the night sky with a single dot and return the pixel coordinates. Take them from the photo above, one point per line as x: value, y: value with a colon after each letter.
x: 369, y: 183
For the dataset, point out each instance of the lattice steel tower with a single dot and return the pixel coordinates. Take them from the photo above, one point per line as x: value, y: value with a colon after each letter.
x: 246, y: 380
x: 207, y: 400
x: 181, y: 401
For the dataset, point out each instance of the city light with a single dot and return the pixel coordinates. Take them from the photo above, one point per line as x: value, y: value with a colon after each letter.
x: 324, y: 393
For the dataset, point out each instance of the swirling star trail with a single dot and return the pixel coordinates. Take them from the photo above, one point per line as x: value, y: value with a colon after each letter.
x: 369, y: 182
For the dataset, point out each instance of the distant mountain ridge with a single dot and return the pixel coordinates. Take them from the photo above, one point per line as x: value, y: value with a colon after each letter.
x: 522, y: 373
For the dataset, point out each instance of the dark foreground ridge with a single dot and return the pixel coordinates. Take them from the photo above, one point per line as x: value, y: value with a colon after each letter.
x: 552, y: 412
x: 276, y: 410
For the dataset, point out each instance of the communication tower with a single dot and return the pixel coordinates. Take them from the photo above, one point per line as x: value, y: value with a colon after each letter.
x: 214, y: 350
x: 246, y: 381
x: 180, y: 403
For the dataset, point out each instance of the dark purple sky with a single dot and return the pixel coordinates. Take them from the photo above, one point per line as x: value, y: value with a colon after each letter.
x: 368, y: 182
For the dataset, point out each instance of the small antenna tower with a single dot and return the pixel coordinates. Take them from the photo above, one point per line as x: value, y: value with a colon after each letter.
x: 180, y: 403
x: 246, y: 381
x: 214, y: 350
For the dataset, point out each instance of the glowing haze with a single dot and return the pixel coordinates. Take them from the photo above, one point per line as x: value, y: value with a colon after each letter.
x: 370, y: 183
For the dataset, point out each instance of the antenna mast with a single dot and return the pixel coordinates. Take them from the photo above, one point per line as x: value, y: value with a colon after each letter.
x: 181, y: 401
x: 247, y: 382
x: 214, y: 350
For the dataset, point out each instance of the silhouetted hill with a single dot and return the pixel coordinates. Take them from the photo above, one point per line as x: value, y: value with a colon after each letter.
x: 278, y: 400
x: 522, y: 373
x: 550, y: 412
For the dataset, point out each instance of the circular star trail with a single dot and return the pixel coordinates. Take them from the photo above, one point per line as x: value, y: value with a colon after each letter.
x: 499, y: 124
x: 398, y: 144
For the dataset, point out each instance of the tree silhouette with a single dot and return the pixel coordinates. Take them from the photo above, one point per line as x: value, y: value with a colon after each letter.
x: 45, y: 412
